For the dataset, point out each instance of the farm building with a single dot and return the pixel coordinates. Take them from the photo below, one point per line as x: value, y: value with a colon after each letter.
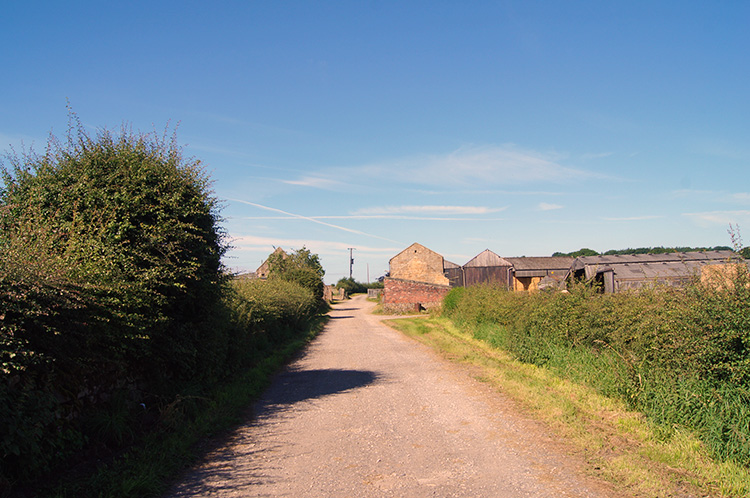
x: 617, y: 273
x: 262, y: 271
x: 419, y: 264
x: 534, y: 273
x: 487, y: 267
x: 417, y: 280
x: 454, y: 273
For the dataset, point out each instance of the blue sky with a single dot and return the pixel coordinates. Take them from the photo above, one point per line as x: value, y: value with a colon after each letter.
x: 517, y: 126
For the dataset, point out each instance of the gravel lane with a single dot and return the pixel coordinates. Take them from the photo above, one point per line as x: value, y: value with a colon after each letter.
x: 367, y: 412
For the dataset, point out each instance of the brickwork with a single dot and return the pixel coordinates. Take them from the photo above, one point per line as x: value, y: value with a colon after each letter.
x: 407, y: 295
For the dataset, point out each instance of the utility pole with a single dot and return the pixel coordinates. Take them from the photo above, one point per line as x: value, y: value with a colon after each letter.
x: 351, y: 262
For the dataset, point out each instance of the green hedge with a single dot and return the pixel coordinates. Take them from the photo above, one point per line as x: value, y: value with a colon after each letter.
x: 680, y: 356
x: 114, y: 304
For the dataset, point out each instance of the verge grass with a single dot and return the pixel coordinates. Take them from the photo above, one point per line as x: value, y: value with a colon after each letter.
x: 618, y: 443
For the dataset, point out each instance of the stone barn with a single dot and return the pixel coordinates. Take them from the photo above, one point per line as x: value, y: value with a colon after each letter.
x: 487, y: 268
x: 416, y: 280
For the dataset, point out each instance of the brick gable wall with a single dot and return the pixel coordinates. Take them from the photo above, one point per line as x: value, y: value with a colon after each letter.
x: 407, y: 295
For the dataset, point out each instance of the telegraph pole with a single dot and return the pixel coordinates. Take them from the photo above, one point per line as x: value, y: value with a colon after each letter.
x: 351, y: 262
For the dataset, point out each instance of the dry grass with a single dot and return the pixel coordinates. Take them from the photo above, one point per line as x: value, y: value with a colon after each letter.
x: 619, y: 444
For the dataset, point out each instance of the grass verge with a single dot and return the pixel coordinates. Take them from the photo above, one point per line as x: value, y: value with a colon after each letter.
x: 620, y: 445
x: 148, y: 468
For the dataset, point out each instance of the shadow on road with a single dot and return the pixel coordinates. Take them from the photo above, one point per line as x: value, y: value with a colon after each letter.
x: 224, y: 473
x: 294, y: 386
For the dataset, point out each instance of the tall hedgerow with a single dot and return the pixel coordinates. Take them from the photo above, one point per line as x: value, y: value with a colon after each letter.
x: 682, y: 356
x: 110, y: 273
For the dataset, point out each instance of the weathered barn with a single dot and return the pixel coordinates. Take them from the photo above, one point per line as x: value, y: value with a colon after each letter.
x: 487, y: 267
x: 535, y: 273
x: 621, y: 272
x: 454, y: 273
x: 417, y: 280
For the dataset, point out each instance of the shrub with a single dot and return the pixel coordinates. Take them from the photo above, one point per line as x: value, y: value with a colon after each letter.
x: 301, y: 267
x: 680, y: 356
x: 110, y: 276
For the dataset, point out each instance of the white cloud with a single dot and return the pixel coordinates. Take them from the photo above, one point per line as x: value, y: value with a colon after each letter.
x: 742, y: 197
x: 695, y: 193
x: 719, y: 217
x: 315, y: 182
x: 483, y: 166
x: 245, y: 243
x: 633, y: 218
x: 543, y: 206
x: 468, y: 167
x: 380, y: 210
x: 595, y: 155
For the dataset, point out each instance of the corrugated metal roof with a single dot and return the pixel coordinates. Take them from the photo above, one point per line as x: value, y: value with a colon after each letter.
x: 486, y: 258
x: 678, y: 257
x: 541, y: 263
x: 661, y: 270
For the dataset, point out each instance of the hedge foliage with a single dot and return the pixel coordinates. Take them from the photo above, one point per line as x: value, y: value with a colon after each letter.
x: 680, y: 356
x: 113, y: 299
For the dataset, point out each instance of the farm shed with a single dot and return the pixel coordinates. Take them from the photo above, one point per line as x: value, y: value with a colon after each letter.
x: 417, y: 280
x: 454, y: 273
x: 622, y: 272
x: 487, y: 267
x: 533, y: 273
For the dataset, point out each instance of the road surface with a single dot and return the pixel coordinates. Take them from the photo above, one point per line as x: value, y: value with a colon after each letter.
x: 367, y: 412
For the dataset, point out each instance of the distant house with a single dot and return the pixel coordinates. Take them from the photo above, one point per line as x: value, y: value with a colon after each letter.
x: 622, y: 272
x: 487, y: 267
x: 417, y: 280
x: 263, y: 269
x: 535, y: 273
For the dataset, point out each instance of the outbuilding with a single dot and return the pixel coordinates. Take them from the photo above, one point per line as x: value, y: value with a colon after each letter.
x: 622, y: 272
x: 416, y: 280
x: 535, y: 273
x: 487, y: 267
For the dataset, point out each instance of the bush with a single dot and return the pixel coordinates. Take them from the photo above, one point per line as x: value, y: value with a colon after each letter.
x: 680, y: 356
x: 301, y: 267
x: 110, y: 278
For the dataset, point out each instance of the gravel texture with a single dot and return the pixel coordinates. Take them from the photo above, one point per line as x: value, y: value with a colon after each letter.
x: 367, y: 412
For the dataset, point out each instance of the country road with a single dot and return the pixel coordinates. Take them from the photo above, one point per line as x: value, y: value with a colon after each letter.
x: 367, y: 412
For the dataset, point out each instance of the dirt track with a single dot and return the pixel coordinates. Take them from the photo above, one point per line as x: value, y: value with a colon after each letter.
x: 366, y: 412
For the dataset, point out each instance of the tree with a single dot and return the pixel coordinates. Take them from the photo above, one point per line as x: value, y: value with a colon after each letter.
x: 581, y: 252
x: 351, y: 286
x: 302, y: 267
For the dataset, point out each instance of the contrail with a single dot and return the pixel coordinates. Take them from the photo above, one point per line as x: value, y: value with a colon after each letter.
x: 307, y: 218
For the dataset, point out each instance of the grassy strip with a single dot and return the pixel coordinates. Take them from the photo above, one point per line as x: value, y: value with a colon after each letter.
x: 148, y: 468
x: 620, y: 445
